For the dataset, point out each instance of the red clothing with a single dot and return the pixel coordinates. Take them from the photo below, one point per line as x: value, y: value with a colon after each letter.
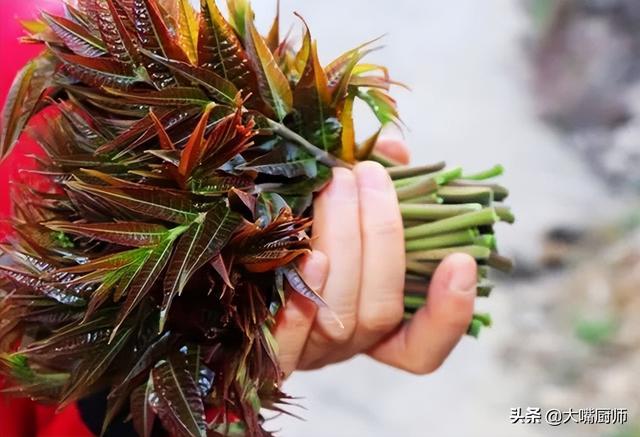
x: 21, y: 417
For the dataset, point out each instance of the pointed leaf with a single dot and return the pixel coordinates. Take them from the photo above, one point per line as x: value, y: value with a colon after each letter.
x: 300, y: 286
x: 383, y: 106
x: 187, y: 21
x: 77, y: 39
x: 239, y: 10
x: 98, y: 72
x: 154, y: 203
x: 152, y: 354
x: 273, y: 84
x: 312, y: 100
x: 273, y: 37
x: 134, y: 234
x: 291, y: 169
x: 27, y: 88
x: 142, y: 399
x: 193, y: 151
x: 216, y: 85
x: 111, y: 19
x: 348, y: 151
x: 198, y: 246
x: 92, y: 368
x: 163, y: 137
x: 220, y: 50
x: 181, y: 409
x: 339, y: 72
x: 144, y: 279
x: 173, y: 96
x: 154, y: 36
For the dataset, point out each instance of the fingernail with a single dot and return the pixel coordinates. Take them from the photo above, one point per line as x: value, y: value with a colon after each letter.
x: 373, y: 176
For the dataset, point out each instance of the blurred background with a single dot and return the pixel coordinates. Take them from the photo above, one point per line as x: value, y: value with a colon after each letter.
x: 551, y: 90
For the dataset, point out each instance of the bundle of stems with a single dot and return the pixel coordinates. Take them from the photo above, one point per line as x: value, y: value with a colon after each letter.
x: 446, y: 211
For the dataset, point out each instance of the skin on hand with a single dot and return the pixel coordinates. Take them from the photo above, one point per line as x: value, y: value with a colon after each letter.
x: 358, y: 266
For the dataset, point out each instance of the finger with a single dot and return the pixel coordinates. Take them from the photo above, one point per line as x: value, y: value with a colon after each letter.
x: 381, y: 305
x: 294, y: 321
x: 422, y: 344
x: 337, y: 228
x: 395, y: 149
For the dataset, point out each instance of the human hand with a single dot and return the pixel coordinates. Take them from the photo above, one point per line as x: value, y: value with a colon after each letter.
x: 358, y: 266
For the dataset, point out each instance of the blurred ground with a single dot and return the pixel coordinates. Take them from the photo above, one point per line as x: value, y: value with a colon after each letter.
x: 470, y: 104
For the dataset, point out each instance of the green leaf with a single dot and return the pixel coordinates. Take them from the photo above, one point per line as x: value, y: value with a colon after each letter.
x: 37, y: 385
x: 180, y: 407
x: 382, y: 105
x: 77, y: 39
x: 151, y: 202
x: 27, y: 88
x: 200, y: 244
x: 239, y: 10
x: 145, y: 277
x: 134, y: 234
x: 272, y: 83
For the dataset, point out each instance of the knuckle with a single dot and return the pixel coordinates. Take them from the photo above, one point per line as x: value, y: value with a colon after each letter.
x: 382, y: 317
x: 388, y: 226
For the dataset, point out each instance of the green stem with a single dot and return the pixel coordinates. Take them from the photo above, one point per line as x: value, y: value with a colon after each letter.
x: 487, y: 240
x: 414, y: 211
x: 499, y: 192
x: 461, y: 238
x: 431, y: 199
x: 321, y: 155
x: 405, y: 171
x: 419, y: 188
x: 477, y: 252
x: 493, y: 172
x: 453, y: 194
x: 483, y: 217
x: 441, y: 178
x: 505, y: 214
x: 421, y: 268
x: 384, y: 160
x: 414, y: 301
